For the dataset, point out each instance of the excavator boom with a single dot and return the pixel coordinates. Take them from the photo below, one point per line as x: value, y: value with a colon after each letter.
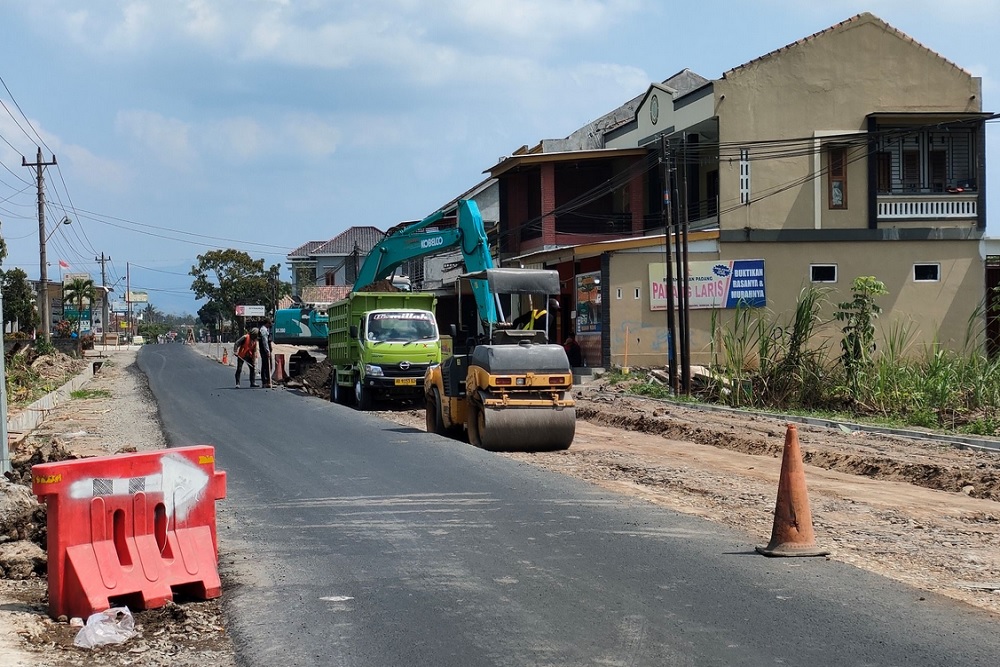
x: 415, y: 241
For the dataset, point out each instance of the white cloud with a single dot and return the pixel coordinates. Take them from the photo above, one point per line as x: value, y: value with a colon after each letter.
x: 166, y: 139
x: 311, y: 135
x: 92, y: 171
x: 552, y: 20
x: 204, y: 22
x: 235, y: 139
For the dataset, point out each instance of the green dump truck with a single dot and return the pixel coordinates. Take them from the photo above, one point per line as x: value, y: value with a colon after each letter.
x: 380, y: 346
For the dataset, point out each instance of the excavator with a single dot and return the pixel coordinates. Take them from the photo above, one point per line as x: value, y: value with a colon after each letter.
x: 503, y: 388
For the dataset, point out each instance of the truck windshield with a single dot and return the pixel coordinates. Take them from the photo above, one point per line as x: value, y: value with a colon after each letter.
x: 401, y: 326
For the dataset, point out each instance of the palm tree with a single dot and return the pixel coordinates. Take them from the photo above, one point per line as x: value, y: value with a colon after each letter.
x: 150, y: 313
x: 75, y: 292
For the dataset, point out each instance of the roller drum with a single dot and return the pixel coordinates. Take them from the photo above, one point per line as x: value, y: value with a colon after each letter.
x: 522, y: 429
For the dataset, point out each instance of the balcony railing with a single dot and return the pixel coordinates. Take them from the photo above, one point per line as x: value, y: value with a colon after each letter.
x: 928, y: 207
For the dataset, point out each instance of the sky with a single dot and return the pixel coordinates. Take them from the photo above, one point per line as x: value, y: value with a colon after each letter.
x: 184, y: 126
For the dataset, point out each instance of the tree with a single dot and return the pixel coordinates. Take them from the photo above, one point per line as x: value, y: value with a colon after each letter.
x: 75, y: 292
x: 228, y: 278
x: 19, y: 300
x: 859, y: 315
x: 150, y: 314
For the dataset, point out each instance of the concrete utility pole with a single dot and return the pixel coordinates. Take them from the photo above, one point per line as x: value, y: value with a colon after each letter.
x: 4, y: 450
x: 107, y: 296
x: 43, y: 273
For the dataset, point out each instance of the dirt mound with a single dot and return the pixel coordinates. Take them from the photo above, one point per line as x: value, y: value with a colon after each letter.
x: 873, y: 455
x: 314, y: 379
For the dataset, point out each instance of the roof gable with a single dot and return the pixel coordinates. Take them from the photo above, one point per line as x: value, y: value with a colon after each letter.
x: 853, y: 22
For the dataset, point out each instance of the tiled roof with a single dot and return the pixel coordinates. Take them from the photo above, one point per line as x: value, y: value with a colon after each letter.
x: 325, y: 293
x: 305, y: 250
x: 864, y: 17
x: 361, y: 238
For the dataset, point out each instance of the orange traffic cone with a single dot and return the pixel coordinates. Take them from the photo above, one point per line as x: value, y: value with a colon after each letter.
x: 225, y: 356
x: 279, y: 368
x: 792, y: 534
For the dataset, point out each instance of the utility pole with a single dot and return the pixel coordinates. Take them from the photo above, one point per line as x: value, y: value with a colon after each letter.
x: 43, y: 272
x: 4, y: 447
x: 683, y: 271
x: 666, y: 173
x: 128, y: 304
x: 107, y: 296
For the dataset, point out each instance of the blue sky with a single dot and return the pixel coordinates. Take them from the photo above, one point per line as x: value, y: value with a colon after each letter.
x: 182, y: 126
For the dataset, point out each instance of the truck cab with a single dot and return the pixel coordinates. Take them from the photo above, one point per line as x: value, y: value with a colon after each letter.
x: 381, y: 346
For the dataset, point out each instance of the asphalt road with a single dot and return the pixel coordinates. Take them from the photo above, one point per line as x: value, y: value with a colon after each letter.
x: 347, y: 540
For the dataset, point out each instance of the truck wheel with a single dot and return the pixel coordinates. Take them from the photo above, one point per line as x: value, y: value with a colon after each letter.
x: 337, y: 393
x: 434, y: 416
x: 362, y: 395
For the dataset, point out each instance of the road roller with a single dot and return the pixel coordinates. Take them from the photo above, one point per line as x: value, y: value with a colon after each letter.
x: 505, y: 389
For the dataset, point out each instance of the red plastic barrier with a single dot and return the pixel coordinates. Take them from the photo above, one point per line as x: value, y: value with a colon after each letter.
x: 132, y: 526
x: 279, y: 368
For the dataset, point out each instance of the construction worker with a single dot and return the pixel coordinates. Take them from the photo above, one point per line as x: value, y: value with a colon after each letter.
x: 537, y: 318
x: 264, y: 345
x: 245, y: 351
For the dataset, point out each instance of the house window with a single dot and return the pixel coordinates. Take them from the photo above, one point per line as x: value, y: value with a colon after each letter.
x: 638, y: 293
x: 837, y: 156
x: 926, y: 273
x: 744, y: 176
x: 823, y: 273
x: 915, y: 161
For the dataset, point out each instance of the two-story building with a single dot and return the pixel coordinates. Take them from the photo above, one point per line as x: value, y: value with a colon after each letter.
x: 855, y: 151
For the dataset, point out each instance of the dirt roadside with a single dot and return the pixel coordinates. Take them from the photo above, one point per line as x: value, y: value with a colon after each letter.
x: 919, y: 512
x: 119, y: 416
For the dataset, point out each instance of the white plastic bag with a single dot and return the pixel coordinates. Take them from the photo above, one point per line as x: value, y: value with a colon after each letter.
x: 112, y: 626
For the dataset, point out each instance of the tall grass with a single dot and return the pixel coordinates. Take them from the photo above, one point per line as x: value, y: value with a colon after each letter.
x: 763, y: 361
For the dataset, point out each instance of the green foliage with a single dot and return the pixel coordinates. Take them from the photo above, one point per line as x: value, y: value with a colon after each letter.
x: 76, y: 292
x: 24, y: 383
x: 859, y: 315
x: 151, y: 331
x: 19, y: 300
x: 774, y: 363
x: 90, y: 393
x: 227, y: 278
x: 651, y: 389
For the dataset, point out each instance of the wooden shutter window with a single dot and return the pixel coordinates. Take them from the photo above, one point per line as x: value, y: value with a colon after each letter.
x: 837, y: 177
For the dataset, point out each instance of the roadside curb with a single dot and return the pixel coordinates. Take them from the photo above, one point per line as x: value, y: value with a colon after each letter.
x: 29, y: 418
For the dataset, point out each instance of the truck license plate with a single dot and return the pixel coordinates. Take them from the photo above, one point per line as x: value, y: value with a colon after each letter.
x: 404, y: 381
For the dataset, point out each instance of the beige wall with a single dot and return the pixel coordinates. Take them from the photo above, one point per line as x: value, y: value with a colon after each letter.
x: 938, y: 311
x: 689, y: 114
x: 827, y: 83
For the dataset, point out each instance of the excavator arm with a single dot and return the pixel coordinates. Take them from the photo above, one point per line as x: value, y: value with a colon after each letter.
x: 415, y: 241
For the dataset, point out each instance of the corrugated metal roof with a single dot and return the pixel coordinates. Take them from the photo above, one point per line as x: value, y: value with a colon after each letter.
x: 361, y: 238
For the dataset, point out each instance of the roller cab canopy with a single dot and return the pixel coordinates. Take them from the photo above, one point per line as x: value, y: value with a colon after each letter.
x: 518, y: 281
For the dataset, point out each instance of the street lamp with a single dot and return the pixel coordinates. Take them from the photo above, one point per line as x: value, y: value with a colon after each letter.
x: 44, y: 274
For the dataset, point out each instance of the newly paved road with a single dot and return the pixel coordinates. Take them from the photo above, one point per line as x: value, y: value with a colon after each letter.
x: 349, y: 540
